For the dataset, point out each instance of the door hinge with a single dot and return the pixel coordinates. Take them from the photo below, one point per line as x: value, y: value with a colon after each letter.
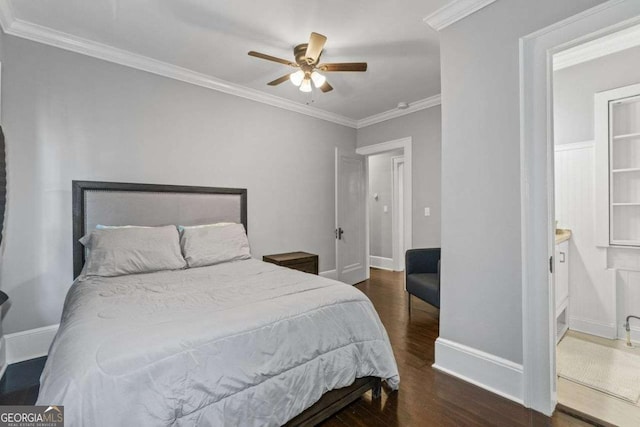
x: 339, y: 233
x: 551, y: 264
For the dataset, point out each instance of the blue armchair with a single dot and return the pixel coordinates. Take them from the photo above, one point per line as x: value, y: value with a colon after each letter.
x: 422, y: 273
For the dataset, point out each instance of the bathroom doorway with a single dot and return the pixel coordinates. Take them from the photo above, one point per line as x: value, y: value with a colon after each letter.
x: 596, y: 262
x: 386, y: 210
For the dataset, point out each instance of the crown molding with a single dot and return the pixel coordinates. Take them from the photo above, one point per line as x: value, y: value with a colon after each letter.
x: 37, y: 33
x: 453, y: 12
x: 40, y: 34
x: 611, y: 43
x: 422, y: 104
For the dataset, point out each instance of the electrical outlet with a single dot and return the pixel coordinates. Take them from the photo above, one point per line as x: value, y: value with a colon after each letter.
x: 427, y: 211
x: 385, y: 208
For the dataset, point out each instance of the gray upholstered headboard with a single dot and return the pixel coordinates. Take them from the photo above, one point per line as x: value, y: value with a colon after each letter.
x: 116, y: 203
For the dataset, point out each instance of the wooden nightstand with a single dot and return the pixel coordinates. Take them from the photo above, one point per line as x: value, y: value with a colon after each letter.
x: 301, y: 261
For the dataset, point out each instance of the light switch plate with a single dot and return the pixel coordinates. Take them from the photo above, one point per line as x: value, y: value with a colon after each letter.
x: 427, y: 211
x: 386, y: 208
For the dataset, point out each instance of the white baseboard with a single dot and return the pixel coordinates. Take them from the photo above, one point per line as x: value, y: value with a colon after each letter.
x: 593, y: 328
x: 330, y: 274
x: 381, y: 262
x: 29, y: 344
x: 495, y: 374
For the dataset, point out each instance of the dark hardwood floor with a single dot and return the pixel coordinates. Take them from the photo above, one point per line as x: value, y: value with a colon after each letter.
x: 427, y: 397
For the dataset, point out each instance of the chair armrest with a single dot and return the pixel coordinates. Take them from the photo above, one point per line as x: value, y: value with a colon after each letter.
x: 422, y: 261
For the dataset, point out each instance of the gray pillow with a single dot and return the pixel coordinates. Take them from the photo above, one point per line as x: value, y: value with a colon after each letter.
x: 131, y: 250
x: 214, y: 244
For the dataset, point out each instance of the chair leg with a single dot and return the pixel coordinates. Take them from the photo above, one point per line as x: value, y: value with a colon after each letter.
x: 409, y: 303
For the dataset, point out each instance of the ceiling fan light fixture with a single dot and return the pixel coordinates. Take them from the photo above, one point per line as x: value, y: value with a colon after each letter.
x: 307, y: 66
x: 305, y: 86
x: 318, y: 79
x: 297, y: 77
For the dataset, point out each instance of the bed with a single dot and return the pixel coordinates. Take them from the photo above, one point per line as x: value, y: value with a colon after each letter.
x: 238, y: 343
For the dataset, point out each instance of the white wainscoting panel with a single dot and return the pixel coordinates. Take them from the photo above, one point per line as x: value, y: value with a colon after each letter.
x: 592, y: 286
x: 493, y: 373
x: 381, y: 262
x: 629, y: 301
x: 29, y: 344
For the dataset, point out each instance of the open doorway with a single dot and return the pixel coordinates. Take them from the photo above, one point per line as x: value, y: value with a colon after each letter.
x: 537, y: 186
x: 596, y: 193
x: 385, y: 202
x: 388, y: 205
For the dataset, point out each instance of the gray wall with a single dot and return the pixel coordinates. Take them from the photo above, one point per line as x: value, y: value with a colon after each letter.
x: 380, y: 224
x: 424, y: 127
x: 481, y: 295
x: 68, y: 116
x: 574, y: 88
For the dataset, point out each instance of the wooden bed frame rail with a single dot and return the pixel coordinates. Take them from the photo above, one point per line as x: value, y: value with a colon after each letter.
x: 334, y: 400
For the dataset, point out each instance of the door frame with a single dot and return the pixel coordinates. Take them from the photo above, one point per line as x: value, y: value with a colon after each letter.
x: 405, y: 144
x: 537, y: 185
x: 397, y: 232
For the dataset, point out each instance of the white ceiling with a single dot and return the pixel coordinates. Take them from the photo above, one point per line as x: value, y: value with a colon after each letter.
x: 214, y: 36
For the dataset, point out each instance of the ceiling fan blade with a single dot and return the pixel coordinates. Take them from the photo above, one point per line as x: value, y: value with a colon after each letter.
x: 344, y: 66
x: 315, y: 46
x: 277, y: 81
x: 326, y: 87
x: 272, y: 58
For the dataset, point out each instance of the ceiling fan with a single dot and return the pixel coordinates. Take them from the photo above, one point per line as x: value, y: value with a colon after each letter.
x: 307, y: 56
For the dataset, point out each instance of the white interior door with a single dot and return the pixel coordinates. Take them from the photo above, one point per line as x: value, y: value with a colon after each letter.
x: 350, y: 231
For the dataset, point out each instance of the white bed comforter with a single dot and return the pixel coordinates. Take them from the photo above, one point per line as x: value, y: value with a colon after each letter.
x: 244, y: 343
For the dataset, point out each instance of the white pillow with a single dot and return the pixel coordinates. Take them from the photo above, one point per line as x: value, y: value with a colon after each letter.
x: 130, y: 250
x: 214, y: 244
x: 85, y: 239
x: 217, y: 224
